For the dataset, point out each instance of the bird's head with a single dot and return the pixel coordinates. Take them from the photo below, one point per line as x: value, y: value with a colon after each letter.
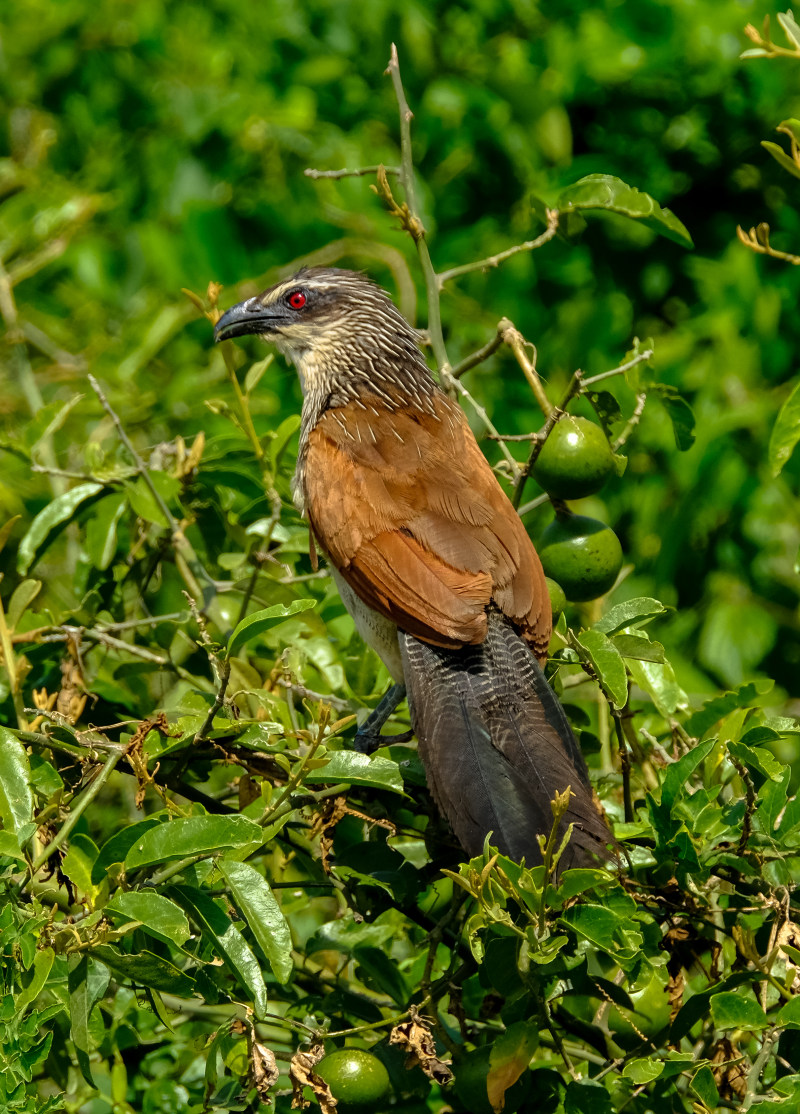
x: 331, y: 324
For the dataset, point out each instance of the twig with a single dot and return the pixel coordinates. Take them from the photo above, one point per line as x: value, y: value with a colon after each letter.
x: 532, y: 504
x: 759, y: 1064
x: 310, y: 172
x: 757, y: 239
x: 477, y: 357
x: 496, y: 260
x: 85, y: 800
x: 516, y: 342
x: 407, y: 179
x: 10, y: 662
x: 141, y: 467
x: 624, y: 761
x: 335, y: 702
x: 632, y: 422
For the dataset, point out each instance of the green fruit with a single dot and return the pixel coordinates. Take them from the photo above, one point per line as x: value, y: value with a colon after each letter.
x: 357, y: 1079
x: 575, y: 461
x: 558, y: 599
x: 582, y: 554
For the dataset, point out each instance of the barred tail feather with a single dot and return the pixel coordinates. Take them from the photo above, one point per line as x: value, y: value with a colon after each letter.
x: 497, y: 746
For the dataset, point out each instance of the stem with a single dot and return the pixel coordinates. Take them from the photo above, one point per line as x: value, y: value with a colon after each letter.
x: 478, y: 357
x: 407, y: 178
x: 85, y: 800
x: 310, y: 172
x: 516, y: 342
x: 496, y: 260
x: 10, y: 662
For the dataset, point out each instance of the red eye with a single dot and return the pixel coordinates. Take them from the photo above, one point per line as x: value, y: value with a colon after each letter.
x: 297, y: 299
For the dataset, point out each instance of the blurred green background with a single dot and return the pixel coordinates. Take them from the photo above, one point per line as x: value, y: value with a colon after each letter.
x: 149, y: 146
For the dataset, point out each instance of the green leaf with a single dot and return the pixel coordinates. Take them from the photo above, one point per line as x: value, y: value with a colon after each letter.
x: 117, y: 847
x: 790, y: 28
x: 227, y: 941
x: 737, y: 1010
x: 757, y: 758
x: 381, y: 973
x: 641, y: 1072
x: 87, y: 982
x: 147, y: 969
x: 781, y: 158
x: 638, y: 647
x: 587, y: 1098
x: 53, y: 516
x: 24, y: 595
x: 253, y: 625
x: 679, y: 773
x: 9, y: 846
x: 256, y: 902
x: 714, y: 710
x: 680, y: 414
x: 16, y: 796
x: 42, y: 964
x: 630, y: 613
x: 358, y: 769
x: 144, y: 502
x: 608, y: 665
x: 283, y: 435
x: 193, y: 835
x: 785, y: 433
x: 158, y: 915
x: 511, y: 1053
x: 705, y: 1087
x: 255, y: 372
x: 789, y: 1015
x: 78, y: 863
x: 603, y: 191
x: 101, y: 530
x: 659, y: 682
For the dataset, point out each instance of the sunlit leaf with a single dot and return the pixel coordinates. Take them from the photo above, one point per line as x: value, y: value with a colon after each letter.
x: 603, y: 191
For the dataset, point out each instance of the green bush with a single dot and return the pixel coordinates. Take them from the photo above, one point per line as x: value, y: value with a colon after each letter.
x: 204, y: 887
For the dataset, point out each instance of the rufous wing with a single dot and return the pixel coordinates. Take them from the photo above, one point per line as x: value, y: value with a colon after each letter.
x: 409, y: 511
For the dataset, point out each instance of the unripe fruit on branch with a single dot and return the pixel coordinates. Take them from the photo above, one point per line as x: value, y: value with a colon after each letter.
x: 357, y: 1079
x: 583, y: 555
x: 575, y: 461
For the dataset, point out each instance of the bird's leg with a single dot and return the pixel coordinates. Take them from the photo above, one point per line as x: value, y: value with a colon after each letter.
x: 368, y: 736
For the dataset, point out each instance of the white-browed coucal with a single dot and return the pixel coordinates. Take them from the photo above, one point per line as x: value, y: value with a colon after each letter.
x: 431, y: 560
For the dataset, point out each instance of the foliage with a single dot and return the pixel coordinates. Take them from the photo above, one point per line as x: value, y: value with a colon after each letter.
x: 204, y: 888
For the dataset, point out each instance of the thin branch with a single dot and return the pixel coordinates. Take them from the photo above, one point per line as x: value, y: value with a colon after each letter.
x: 85, y: 800
x: 407, y: 179
x: 757, y: 239
x: 141, y: 467
x: 479, y: 356
x: 516, y: 342
x: 496, y: 260
x: 185, y: 557
x: 632, y: 422
x: 310, y: 172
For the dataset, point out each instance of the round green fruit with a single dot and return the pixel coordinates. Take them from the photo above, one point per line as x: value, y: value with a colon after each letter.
x: 583, y: 555
x: 357, y: 1079
x: 558, y: 599
x: 575, y: 461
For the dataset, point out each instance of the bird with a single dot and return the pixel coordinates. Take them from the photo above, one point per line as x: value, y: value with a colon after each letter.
x: 431, y: 561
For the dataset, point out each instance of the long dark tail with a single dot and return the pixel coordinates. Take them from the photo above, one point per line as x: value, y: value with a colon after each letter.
x: 496, y: 746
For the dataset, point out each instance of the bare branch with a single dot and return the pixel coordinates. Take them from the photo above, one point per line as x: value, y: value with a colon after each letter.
x: 496, y: 260
x: 310, y: 172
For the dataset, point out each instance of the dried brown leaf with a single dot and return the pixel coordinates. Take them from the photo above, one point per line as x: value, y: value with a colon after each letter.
x: 264, y: 1069
x: 302, y: 1074
x: 416, y: 1040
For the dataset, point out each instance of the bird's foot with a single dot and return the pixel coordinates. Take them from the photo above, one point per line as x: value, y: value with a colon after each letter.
x: 368, y: 736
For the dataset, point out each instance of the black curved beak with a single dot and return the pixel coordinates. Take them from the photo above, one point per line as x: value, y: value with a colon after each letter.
x: 247, y: 317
